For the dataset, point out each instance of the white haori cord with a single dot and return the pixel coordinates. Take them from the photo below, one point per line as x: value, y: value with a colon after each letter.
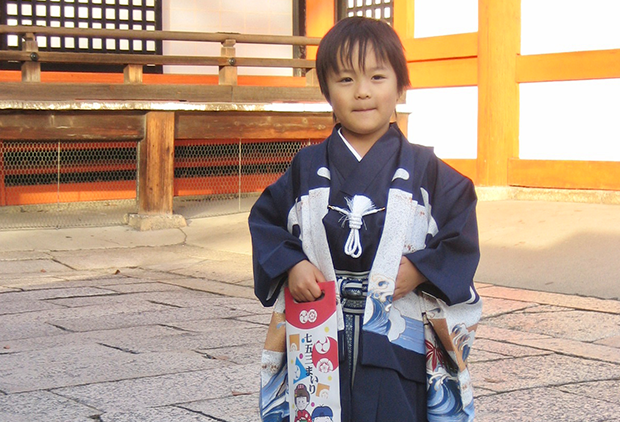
x: 359, y: 207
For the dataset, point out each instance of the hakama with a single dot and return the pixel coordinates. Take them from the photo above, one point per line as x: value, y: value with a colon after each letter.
x: 355, y: 220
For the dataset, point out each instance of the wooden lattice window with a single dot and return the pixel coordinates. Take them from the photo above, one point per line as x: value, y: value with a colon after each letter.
x: 378, y: 9
x: 92, y: 14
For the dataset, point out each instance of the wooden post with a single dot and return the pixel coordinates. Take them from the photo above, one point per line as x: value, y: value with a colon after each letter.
x: 133, y: 74
x: 2, y: 185
x: 228, y: 74
x: 320, y: 17
x: 403, y: 18
x: 311, y: 78
x: 31, y: 70
x: 499, y: 38
x: 156, y: 164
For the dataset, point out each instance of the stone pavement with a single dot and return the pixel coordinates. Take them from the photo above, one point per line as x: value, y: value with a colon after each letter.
x: 111, y: 324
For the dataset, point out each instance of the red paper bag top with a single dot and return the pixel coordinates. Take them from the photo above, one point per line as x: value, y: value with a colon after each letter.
x: 307, y: 315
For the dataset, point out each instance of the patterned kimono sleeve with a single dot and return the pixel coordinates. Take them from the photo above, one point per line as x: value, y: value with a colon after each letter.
x: 451, y: 256
x: 274, y: 249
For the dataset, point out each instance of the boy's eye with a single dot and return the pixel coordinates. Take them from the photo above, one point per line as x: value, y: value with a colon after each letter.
x: 378, y: 77
x: 346, y: 79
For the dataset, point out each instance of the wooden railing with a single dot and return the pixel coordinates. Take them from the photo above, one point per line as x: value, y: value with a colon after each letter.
x: 228, y: 62
x: 160, y: 112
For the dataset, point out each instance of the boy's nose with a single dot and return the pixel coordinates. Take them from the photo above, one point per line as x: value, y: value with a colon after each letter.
x: 362, y: 91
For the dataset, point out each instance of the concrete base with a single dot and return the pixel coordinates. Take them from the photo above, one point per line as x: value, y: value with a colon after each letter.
x: 146, y: 222
x: 508, y: 193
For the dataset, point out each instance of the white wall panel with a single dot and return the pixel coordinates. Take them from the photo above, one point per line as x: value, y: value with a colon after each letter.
x: 446, y: 119
x: 272, y: 17
x: 576, y: 120
x: 445, y: 17
x: 554, y: 26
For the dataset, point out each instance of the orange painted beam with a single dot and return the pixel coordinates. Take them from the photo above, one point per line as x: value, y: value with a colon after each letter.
x: 219, y: 185
x: 443, y: 73
x: 175, y: 79
x: 443, y: 47
x: 552, y: 174
x: 71, y: 192
x: 10, y: 76
x: 404, y: 18
x: 499, y: 39
x: 320, y: 17
x: 467, y: 167
x: 578, y: 65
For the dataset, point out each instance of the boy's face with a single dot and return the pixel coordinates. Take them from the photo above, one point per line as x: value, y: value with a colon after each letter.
x: 363, y: 100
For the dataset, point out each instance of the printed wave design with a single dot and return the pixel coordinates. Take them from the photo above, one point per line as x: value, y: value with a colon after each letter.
x: 444, y: 400
x: 412, y: 338
x: 379, y: 321
x: 462, y: 339
x: 273, y: 404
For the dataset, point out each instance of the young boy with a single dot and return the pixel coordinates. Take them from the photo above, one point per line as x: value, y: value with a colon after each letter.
x: 386, y: 219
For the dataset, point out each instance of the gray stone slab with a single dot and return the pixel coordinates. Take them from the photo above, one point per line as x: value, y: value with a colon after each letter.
x: 478, y: 355
x: 251, y: 305
x: 123, y: 317
x: 78, y: 279
x: 166, y: 390
x: 245, y: 355
x: 70, y: 366
x: 575, y: 325
x: 22, y: 255
x: 57, y: 321
x: 81, y: 338
x: 226, y: 271
x: 578, y: 348
x: 26, y: 329
x: 167, y: 413
x: 44, y: 280
x: 147, y: 275
x: 543, y: 405
x: 240, y: 408
x: 207, y: 325
x: 43, y: 406
x: 219, y: 288
x: 506, y: 350
x: 262, y: 319
x: 187, y: 298
x: 30, y: 281
x: 141, y: 287
x: 555, y: 299
x: 543, y: 308
x: 493, y: 307
x: 608, y: 391
x: 57, y: 293
x: 32, y: 266
x: 613, y: 341
x: 191, y: 341
x: 480, y: 392
x: 540, y: 371
x: 21, y: 306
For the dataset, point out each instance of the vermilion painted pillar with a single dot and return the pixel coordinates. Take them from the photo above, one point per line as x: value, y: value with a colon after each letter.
x: 499, y: 40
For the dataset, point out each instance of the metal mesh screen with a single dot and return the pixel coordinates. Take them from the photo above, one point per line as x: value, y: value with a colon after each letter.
x: 91, y: 14
x: 222, y: 177
x: 73, y: 184
x: 66, y: 184
x: 378, y: 9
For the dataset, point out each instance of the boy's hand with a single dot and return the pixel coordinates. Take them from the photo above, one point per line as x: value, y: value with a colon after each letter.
x: 408, y: 278
x: 303, y: 281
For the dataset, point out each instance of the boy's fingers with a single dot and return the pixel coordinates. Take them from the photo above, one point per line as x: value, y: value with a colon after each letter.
x: 315, y: 291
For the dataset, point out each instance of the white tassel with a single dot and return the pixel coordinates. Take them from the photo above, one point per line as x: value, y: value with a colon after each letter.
x: 359, y: 207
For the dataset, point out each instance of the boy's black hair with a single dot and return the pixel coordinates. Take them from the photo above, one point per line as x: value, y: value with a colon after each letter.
x: 337, y: 46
